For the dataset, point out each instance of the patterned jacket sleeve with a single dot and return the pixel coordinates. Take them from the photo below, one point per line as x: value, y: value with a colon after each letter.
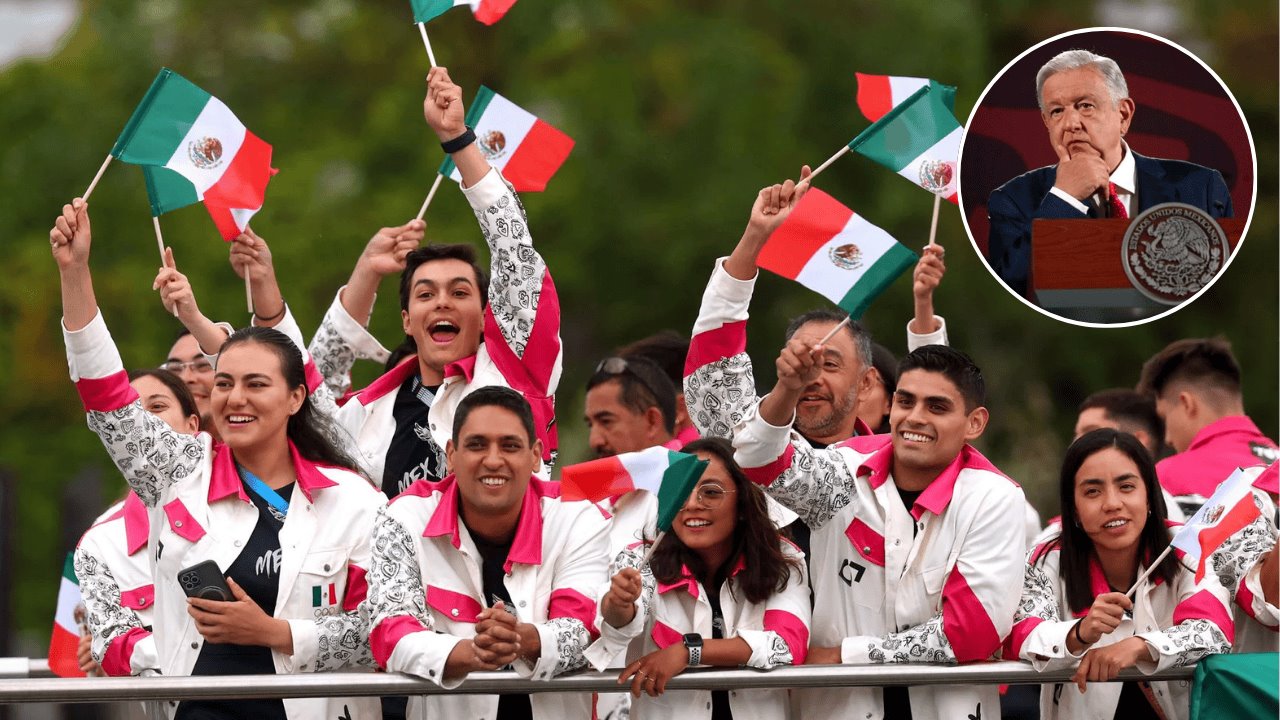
x: 719, y: 387
x: 150, y: 454
x: 1237, y: 564
x: 337, y: 641
x: 579, y: 571
x: 338, y: 343
x: 977, y: 607
x: 785, y: 637
x: 612, y: 640
x: 1202, y: 625
x: 401, y: 626
x: 814, y: 483
x: 522, y: 320
x: 1039, y: 632
x: 121, y: 644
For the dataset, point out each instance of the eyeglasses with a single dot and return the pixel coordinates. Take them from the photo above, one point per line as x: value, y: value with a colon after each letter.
x: 619, y: 365
x: 711, y: 496
x: 178, y: 366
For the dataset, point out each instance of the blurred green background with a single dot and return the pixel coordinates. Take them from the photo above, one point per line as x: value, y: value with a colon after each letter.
x: 681, y: 112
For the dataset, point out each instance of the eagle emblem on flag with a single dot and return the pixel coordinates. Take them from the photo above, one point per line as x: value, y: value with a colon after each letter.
x: 847, y: 256
x: 205, y: 153
x: 936, y: 175
x: 492, y: 144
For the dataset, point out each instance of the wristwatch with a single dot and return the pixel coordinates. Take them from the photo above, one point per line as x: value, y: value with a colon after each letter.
x: 693, y: 641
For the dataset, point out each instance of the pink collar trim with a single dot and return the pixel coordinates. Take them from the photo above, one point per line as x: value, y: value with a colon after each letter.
x: 224, y: 481
x: 390, y: 381
x: 466, y: 367
x: 690, y: 584
x: 937, y: 495
x: 137, y: 528
x: 1222, y: 426
x: 526, y: 546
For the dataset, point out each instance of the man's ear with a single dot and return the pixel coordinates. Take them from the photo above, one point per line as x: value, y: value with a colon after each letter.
x: 404, y: 321
x: 653, y: 421
x: 1126, y: 109
x: 537, y: 453
x: 864, y: 383
x: 1190, y: 403
x: 448, y: 456
x: 975, y: 424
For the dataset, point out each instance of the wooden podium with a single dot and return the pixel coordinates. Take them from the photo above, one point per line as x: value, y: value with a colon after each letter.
x: 1075, y: 266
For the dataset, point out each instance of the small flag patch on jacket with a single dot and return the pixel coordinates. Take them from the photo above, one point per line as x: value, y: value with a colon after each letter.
x: 323, y: 595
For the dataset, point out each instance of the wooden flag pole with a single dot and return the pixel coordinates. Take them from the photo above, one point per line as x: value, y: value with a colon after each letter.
x: 933, y: 226
x: 248, y: 291
x: 422, y: 28
x: 648, y: 554
x: 155, y: 222
x: 430, y: 194
x: 1150, y: 569
x: 847, y: 319
x: 827, y: 164
x: 98, y: 177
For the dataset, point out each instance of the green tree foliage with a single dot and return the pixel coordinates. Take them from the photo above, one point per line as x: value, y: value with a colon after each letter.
x: 681, y: 112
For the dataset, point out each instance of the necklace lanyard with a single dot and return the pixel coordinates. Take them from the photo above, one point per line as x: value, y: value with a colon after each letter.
x: 277, y: 503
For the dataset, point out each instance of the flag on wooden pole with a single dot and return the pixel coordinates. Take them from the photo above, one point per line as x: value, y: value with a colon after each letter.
x: 829, y: 249
x: 919, y: 139
x: 669, y: 474
x: 184, y: 129
x: 1230, y: 509
x: 526, y: 150
x: 878, y: 94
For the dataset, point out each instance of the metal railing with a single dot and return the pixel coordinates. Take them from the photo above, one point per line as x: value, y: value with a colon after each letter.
x: 348, y: 684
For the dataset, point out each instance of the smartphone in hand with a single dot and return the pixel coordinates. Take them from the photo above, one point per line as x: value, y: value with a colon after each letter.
x: 204, y: 580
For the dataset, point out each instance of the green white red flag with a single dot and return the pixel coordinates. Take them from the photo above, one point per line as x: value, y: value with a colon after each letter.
x: 878, y: 94
x: 1229, y: 510
x: 669, y: 474
x: 486, y: 11
x: 184, y: 129
x: 65, y: 642
x: 919, y: 139
x: 831, y: 250
x: 526, y: 150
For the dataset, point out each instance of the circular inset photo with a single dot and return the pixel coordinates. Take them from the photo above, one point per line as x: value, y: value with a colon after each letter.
x: 1107, y: 177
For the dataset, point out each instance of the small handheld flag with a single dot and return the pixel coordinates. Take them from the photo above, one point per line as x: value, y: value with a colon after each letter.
x: 878, y: 94
x: 68, y: 625
x: 526, y: 150
x: 486, y: 11
x: 184, y: 129
x: 1229, y: 510
x: 666, y: 473
x: 919, y: 139
x: 829, y: 249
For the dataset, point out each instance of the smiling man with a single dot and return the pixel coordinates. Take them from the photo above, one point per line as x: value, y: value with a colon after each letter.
x: 487, y: 568
x: 1086, y: 109
x: 462, y: 331
x: 912, y: 554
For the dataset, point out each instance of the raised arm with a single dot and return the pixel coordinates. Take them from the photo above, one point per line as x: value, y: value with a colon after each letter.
x: 926, y: 328
x: 150, y: 454
x: 719, y: 386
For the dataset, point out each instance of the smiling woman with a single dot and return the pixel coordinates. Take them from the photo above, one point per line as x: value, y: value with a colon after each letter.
x: 277, y: 508
x: 1074, y: 606
x: 722, y: 589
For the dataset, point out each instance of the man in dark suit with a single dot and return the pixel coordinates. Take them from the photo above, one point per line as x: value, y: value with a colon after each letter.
x: 1085, y: 105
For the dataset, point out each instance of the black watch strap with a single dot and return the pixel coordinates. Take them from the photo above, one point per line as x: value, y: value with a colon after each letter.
x: 456, y: 144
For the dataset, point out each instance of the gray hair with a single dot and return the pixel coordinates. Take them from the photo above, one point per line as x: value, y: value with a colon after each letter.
x: 861, y: 338
x: 1075, y: 59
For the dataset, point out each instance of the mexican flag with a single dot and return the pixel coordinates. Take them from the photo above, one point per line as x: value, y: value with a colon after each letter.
x: 65, y: 642
x: 878, y: 94
x: 1229, y: 510
x: 827, y: 248
x: 486, y: 11
x: 526, y: 150
x: 919, y: 139
x: 183, y: 129
x: 666, y: 473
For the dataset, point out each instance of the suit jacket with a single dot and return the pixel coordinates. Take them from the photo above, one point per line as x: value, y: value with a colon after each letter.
x: 1015, y: 204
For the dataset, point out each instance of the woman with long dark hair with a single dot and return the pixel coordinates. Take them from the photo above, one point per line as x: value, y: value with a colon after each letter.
x: 278, y: 508
x: 1074, y: 605
x: 723, y: 588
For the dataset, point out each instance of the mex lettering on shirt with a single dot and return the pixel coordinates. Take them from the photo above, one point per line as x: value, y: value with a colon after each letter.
x: 269, y: 563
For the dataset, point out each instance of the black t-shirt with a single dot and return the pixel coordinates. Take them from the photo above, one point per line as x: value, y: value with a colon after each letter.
x: 257, y: 571
x: 413, y: 455
x: 493, y: 575
x: 909, y: 498
x: 720, y: 709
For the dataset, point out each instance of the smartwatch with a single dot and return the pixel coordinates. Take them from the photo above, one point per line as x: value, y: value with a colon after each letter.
x: 693, y: 641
